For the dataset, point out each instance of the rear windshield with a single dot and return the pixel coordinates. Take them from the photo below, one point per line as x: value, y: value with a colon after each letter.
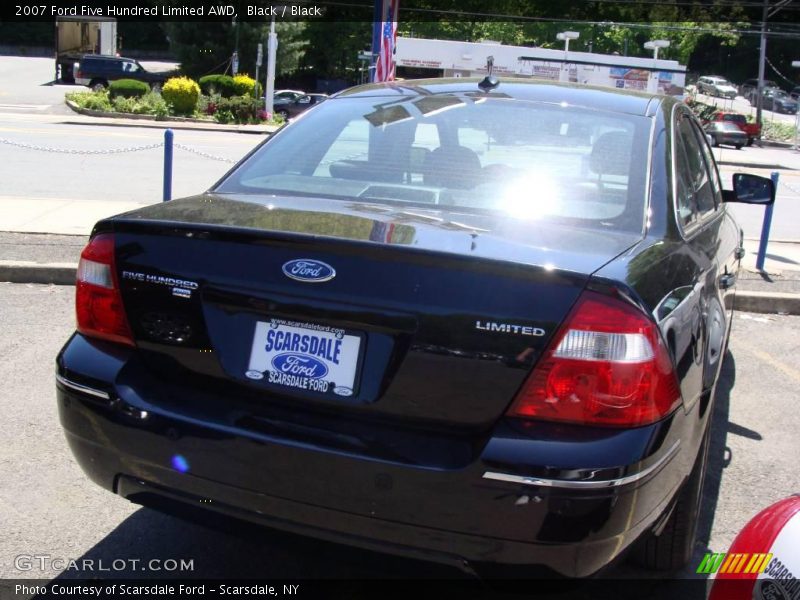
x: 467, y: 153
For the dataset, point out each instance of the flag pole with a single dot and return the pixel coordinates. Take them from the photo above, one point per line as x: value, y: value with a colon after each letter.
x: 377, y: 21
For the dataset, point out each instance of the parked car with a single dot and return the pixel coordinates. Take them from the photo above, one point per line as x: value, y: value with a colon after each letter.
x: 750, y: 85
x: 716, y: 86
x: 293, y: 108
x: 387, y: 328
x: 97, y: 71
x: 727, y: 133
x: 780, y: 102
x: 751, y: 130
x: 767, y: 93
x: 287, y: 95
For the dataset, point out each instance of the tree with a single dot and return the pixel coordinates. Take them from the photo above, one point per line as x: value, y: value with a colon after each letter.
x: 204, y: 48
x: 333, y: 48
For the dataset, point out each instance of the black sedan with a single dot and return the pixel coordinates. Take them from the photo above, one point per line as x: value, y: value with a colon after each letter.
x: 388, y: 328
x: 290, y: 108
x: 727, y: 133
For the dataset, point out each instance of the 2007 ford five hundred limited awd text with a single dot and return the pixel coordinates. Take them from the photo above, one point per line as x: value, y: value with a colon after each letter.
x: 475, y: 322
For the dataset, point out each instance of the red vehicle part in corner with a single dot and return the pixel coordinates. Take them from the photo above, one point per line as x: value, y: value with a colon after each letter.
x: 774, y: 531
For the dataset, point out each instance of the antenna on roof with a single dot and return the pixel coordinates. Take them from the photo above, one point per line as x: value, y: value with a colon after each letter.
x: 489, y: 82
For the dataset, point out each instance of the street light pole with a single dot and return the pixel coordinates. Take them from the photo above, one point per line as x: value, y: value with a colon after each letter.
x: 655, y: 45
x: 272, y: 49
x: 566, y: 36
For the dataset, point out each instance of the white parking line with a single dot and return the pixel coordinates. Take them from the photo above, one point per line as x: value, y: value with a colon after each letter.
x: 24, y: 106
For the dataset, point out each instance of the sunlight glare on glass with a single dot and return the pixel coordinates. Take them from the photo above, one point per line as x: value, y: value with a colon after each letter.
x: 531, y: 197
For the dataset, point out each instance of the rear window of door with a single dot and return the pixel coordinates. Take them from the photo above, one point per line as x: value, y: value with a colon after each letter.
x: 697, y: 182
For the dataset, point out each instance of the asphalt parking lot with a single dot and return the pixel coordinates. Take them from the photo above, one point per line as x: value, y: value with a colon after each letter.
x: 48, y: 507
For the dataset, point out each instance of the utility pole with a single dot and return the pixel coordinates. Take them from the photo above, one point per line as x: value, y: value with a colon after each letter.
x: 761, y: 60
x: 767, y: 13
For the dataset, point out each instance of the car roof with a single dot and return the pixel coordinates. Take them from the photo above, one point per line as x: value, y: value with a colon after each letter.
x: 596, y: 97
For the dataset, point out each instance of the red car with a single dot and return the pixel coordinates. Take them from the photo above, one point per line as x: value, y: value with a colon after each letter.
x: 753, y: 130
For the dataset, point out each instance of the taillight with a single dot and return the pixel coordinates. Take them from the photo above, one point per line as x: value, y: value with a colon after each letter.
x: 607, y: 365
x: 98, y: 303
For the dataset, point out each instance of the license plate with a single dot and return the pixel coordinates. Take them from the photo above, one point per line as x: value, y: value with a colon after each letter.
x: 304, y: 356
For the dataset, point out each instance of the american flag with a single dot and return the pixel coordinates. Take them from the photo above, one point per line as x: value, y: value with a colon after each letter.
x: 384, y: 67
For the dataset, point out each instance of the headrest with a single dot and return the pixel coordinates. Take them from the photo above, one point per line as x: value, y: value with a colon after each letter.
x: 611, y: 153
x: 452, y: 167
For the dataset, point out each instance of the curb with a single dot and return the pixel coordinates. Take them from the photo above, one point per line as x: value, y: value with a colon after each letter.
x: 776, y: 144
x: 767, y: 302
x: 64, y: 274
x: 31, y: 272
x: 746, y: 165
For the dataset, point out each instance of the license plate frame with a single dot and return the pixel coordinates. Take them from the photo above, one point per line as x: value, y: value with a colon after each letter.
x: 307, y: 358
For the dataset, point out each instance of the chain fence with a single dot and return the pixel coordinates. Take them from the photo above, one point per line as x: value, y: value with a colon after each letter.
x: 81, y: 152
x: 197, y: 152
x: 203, y: 154
x: 123, y: 150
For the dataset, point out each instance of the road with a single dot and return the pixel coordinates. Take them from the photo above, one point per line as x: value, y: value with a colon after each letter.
x: 131, y: 176
x: 28, y: 85
x: 32, y: 112
x: 47, y: 505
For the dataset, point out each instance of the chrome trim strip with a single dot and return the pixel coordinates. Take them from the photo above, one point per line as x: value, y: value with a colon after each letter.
x: 82, y: 388
x: 585, y: 485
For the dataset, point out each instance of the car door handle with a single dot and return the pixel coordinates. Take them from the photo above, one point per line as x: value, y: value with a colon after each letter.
x: 727, y: 280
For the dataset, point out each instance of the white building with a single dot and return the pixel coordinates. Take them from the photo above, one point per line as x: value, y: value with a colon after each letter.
x: 445, y: 58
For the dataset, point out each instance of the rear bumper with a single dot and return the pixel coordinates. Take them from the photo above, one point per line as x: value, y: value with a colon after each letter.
x: 130, y: 445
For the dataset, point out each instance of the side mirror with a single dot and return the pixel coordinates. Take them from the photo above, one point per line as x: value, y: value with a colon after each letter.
x: 750, y: 189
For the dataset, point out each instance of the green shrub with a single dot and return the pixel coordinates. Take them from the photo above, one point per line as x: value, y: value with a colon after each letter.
x: 777, y: 131
x: 218, y: 84
x: 127, y: 88
x: 244, y: 85
x: 240, y: 109
x: 91, y: 100
x: 125, y: 105
x: 153, y: 104
x: 149, y: 104
x: 182, y: 94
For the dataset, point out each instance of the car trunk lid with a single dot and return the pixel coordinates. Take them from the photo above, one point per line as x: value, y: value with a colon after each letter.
x: 431, y: 318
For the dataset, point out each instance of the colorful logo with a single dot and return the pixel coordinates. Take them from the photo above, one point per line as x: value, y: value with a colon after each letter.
x: 726, y: 562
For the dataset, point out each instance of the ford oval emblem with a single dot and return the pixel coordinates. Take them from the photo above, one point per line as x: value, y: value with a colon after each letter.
x: 308, y: 270
x: 300, y: 365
